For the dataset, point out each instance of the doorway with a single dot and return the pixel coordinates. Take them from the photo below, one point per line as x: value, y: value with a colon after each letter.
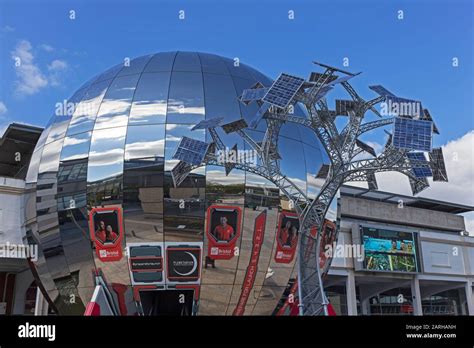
x: 167, y: 302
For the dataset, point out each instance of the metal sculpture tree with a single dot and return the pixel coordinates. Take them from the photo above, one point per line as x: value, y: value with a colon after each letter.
x: 412, y: 131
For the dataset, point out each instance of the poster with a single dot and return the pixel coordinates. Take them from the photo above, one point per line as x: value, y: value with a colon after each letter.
x: 106, y: 230
x: 183, y: 262
x: 287, y: 237
x: 252, y: 268
x: 223, y: 231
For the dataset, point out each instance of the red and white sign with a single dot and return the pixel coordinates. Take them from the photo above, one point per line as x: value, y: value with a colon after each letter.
x: 223, y: 231
x: 287, y: 237
x: 252, y: 268
x: 106, y: 231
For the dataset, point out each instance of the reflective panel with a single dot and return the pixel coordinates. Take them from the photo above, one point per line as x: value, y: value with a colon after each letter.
x: 115, y: 107
x: 136, y: 66
x: 151, y: 99
x: 76, y: 146
x: 161, y: 62
x: 186, y: 98
x: 105, y: 167
x: 213, y: 64
x: 187, y: 61
x: 84, y: 115
x: 32, y: 174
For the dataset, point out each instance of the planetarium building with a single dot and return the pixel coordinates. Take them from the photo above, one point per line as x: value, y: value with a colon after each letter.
x: 113, y: 226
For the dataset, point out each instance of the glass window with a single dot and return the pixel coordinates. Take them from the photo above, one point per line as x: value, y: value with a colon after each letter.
x: 151, y: 99
x: 187, y: 61
x: 76, y: 146
x: 84, y: 116
x: 160, y: 62
x: 115, y: 107
x: 136, y: 66
x: 186, y: 98
x: 145, y: 142
x: 106, y: 154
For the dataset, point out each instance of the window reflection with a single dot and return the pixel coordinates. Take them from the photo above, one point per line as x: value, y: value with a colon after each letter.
x: 186, y: 98
x: 151, y: 99
x: 76, y: 146
x: 115, y: 107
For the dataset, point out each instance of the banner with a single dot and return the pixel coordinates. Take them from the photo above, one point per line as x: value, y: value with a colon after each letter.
x: 106, y: 231
x: 252, y: 268
x: 223, y: 231
x: 287, y: 237
x: 183, y: 262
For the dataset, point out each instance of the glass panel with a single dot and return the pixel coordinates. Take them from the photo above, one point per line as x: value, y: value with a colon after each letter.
x: 314, y: 161
x: 115, y: 107
x: 145, y: 142
x: 213, y: 64
x: 187, y: 61
x: 292, y: 162
x: 85, y: 114
x: 50, y: 157
x: 186, y: 98
x: 221, y: 98
x: 136, y: 66
x: 105, y: 168
x: 160, y: 62
x: 151, y: 98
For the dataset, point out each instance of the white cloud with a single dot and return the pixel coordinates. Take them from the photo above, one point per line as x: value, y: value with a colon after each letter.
x: 46, y: 47
x: 57, y: 65
x: 3, y: 108
x: 8, y: 29
x: 30, y: 79
x: 459, y: 160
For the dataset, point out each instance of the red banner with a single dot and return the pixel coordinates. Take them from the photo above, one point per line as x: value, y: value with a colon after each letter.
x: 223, y: 231
x: 106, y: 231
x: 252, y: 268
x: 287, y: 237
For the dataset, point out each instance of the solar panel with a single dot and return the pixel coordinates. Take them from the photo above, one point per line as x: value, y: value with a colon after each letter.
x: 180, y: 172
x: 366, y: 148
x: 427, y: 116
x: 283, y: 90
x: 404, y: 107
x: 437, y: 165
x: 410, y: 134
x: 344, y: 106
x: 323, y: 171
x: 419, y: 171
x: 258, y: 116
x: 251, y: 94
x: 211, y: 123
x: 382, y: 91
x: 418, y: 185
x: 191, y: 151
x: 340, y: 80
x: 234, y: 126
x: 315, y: 77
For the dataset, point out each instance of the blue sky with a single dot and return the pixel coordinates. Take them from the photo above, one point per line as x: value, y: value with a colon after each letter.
x: 412, y: 57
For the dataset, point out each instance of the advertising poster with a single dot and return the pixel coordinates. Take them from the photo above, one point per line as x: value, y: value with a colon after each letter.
x: 183, y: 263
x: 146, y: 263
x: 223, y: 231
x: 106, y: 230
x: 287, y: 237
x: 252, y: 268
x: 386, y: 250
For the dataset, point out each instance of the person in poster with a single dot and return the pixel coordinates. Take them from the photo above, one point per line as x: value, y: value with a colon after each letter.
x: 105, y: 224
x: 105, y: 234
x: 223, y: 231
